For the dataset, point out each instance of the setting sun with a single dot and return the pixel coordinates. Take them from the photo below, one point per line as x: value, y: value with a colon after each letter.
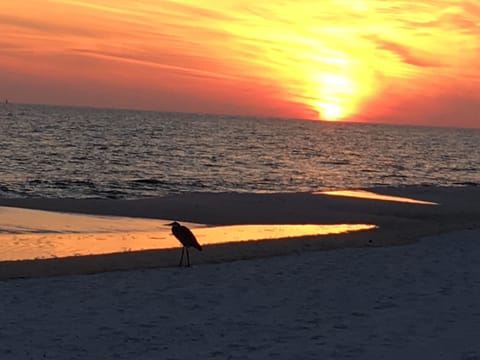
x: 368, y: 60
x: 329, y: 111
x: 335, y: 96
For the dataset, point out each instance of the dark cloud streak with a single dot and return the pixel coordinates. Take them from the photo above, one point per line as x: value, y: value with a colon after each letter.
x: 46, y: 27
x: 405, y: 53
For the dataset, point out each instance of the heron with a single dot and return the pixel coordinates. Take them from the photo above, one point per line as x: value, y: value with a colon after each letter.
x: 186, y: 237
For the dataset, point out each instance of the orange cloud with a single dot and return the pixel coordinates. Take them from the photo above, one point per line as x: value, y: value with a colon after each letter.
x: 368, y: 60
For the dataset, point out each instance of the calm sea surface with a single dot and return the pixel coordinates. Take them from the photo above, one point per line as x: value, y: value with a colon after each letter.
x: 94, y: 153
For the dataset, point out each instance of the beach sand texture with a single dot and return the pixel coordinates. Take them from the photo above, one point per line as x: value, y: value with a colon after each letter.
x: 418, y: 301
x: 364, y: 300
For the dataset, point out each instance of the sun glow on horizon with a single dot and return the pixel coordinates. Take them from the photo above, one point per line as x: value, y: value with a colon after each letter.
x: 336, y: 94
x: 329, y: 111
x: 341, y: 60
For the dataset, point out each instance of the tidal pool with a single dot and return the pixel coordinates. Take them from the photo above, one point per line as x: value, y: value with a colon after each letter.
x: 363, y: 194
x: 37, y: 234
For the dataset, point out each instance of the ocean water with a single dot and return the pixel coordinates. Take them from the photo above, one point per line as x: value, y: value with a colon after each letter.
x: 66, y: 152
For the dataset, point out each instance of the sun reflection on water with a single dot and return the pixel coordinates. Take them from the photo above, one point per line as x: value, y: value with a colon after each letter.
x: 249, y: 232
x: 103, y: 235
x: 362, y: 194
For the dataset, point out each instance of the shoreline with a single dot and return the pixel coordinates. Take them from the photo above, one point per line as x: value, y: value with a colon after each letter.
x: 398, y: 223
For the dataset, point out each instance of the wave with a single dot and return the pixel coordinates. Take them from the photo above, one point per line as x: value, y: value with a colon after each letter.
x: 87, y: 154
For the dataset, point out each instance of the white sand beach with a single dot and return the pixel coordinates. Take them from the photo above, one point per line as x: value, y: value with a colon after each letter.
x: 407, y: 289
x: 418, y: 301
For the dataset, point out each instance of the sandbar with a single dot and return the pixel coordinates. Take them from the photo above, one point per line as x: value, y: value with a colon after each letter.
x: 441, y: 210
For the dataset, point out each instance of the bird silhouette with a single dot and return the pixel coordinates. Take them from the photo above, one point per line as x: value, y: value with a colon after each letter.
x: 186, y: 237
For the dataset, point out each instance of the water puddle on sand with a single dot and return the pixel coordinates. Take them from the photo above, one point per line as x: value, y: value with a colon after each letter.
x: 36, y: 234
x: 362, y: 194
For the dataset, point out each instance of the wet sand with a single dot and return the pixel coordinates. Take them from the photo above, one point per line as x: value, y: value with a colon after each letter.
x: 397, y: 223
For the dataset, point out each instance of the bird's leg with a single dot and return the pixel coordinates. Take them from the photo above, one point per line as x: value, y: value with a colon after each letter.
x: 188, y: 258
x: 181, y: 257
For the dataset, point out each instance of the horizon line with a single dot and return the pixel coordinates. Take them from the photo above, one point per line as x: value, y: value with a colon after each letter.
x: 259, y: 116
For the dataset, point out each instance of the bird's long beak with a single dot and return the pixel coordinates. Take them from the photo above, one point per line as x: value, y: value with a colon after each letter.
x: 169, y: 224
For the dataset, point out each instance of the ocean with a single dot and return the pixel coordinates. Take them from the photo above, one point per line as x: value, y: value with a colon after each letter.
x: 68, y: 152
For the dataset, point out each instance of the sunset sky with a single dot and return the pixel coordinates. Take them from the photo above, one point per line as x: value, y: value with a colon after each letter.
x: 396, y: 61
